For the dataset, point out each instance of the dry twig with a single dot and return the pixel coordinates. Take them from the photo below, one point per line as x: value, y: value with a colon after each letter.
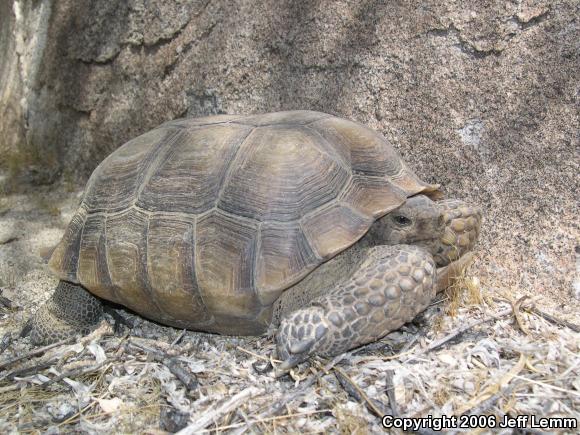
x: 458, y: 332
x: 79, y: 371
x: 212, y: 416
x: 173, y: 365
x: 549, y: 317
x: 390, y: 387
x: 280, y: 404
x: 355, y: 391
x: 6, y: 341
x: 26, y: 371
x: 5, y: 302
x: 491, y: 401
x: 34, y: 352
x: 255, y: 355
x: 267, y: 419
x: 178, y: 338
x: 553, y: 319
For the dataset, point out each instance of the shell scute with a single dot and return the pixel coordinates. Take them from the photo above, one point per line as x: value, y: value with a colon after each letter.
x: 335, y: 228
x: 373, y: 196
x: 126, y: 254
x: 369, y: 152
x: 114, y: 184
x: 190, y: 169
x: 65, y: 257
x: 171, y: 269
x: 281, y: 175
x: 224, y: 263
x: 283, y: 258
x: 92, y: 267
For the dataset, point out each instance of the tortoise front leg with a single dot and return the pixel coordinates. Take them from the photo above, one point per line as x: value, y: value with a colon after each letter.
x: 70, y: 311
x: 392, y: 286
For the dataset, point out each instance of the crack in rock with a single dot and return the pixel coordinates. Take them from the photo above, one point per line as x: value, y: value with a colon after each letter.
x: 523, y: 20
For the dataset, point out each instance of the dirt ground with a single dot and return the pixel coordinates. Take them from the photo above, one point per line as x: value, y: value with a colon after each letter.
x: 470, y: 353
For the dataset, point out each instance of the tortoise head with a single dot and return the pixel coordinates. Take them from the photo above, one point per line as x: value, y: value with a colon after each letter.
x: 446, y: 229
x: 418, y: 221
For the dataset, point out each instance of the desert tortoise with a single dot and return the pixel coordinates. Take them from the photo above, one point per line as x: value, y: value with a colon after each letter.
x: 299, y: 220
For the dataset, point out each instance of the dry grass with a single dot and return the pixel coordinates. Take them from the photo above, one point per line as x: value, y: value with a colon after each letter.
x: 465, y: 292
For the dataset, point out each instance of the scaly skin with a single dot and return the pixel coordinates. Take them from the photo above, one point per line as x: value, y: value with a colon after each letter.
x: 462, y: 225
x: 70, y: 311
x: 390, y: 288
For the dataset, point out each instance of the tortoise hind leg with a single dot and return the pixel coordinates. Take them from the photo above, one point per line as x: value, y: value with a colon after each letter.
x: 392, y: 286
x: 71, y: 310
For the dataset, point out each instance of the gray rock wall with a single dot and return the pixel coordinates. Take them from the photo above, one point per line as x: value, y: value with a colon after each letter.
x: 479, y: 96
x: 23, y: 30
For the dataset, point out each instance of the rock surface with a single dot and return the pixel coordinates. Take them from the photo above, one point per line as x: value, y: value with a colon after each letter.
x: 481, y: 98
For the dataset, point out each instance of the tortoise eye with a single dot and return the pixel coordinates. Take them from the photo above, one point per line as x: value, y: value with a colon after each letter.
x: 403, y: 221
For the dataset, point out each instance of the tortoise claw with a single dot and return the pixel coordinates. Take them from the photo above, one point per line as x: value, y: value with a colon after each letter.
x: 298, y: 337
x: 288, y: 364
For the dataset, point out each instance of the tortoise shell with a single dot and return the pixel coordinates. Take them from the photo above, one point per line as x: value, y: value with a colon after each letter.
x: 203, y: 223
